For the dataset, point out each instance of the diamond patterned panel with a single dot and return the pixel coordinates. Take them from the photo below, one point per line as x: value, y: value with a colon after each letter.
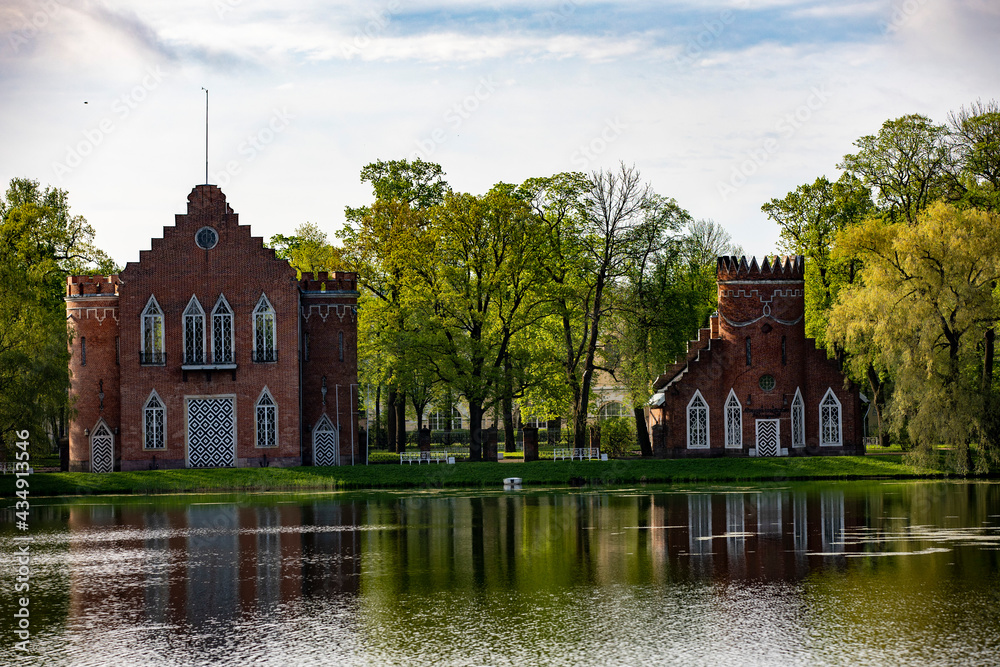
x: 767, y: 437
x: 326, y: 451
x: 102, y: 450
x: 211, y: 433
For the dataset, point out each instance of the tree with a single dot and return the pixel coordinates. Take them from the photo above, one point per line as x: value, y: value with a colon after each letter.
x: 975, y: 144
x: 308, y: 250
x: 40, y: 244
x: 477, y: 298
x: 385, y: 243
x: 810, y: 217
x: 905, y: 164
x: 594, y: 230
x: 920, y: 309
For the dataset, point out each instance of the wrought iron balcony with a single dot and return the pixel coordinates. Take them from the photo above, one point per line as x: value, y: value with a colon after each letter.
x: 264, y: 356
x: 152, y: 358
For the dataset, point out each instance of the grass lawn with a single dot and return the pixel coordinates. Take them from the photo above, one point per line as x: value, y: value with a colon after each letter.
x: 490, y: 475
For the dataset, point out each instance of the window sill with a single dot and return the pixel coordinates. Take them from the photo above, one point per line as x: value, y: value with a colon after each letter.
x: 208, y: 367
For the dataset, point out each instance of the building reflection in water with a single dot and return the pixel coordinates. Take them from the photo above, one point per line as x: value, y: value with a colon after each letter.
x: 199, y: 564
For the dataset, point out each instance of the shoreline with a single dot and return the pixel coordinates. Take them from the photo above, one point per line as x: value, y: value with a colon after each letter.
x: 474, y: 475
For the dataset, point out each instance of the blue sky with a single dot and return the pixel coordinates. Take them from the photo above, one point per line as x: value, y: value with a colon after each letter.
x: 722, y: 105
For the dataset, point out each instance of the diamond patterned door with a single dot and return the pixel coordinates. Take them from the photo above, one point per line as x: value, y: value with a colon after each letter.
x: 102, y: 449
x: 326, y: 449
x: 767, y: 437
x: 211, y: 433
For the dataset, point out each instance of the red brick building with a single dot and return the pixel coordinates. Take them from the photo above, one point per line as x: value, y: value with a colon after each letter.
x: 208, y: 352
x: 753, y: 384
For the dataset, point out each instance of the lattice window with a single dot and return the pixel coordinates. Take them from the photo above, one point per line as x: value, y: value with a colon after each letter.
x: 263, y: 332
x: 829, y: 420
x: 267, y: 420
x: 154, y: 423
x: 734, y: 422
x: 194, y: 333
x: 697, y: 422
x: 340, y: 345
x: 798, y: 420
x: 151, y: 343
x: 222, y: 332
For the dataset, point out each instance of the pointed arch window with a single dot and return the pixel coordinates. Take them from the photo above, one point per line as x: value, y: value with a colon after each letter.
x: 829, y: 420
x: 798, y: 420
x: 154, y: 423
x: 267, y: 420
x: 222, y: 332
x: 151, y: 343
x: 263, y: 332
x: 734, y: 422
x: 697, y: 422
x: 194, y: 333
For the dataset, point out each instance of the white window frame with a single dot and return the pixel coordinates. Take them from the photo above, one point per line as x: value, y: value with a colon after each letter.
x: 269, y: 423
x: 798, y: 429
x: 150, y: 321
x: 199, y: 311
x: 231, y: 357
x: 823, y: 440
x: 602, y: 413
x: 261, y: 311
x: 708, y: 424
x: 734, y: 436
x: 162, y: 408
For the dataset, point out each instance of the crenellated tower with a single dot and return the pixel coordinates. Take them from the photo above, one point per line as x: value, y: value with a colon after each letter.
x: 93, y: 320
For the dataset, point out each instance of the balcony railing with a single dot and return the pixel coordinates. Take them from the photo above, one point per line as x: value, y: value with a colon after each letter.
x: 152, y: 358
x: 264, y: 356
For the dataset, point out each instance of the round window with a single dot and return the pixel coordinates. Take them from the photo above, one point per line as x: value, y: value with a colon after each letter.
x: 766, y: 382
x: 206, y: 238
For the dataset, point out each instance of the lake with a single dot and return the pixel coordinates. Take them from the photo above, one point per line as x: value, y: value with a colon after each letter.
x: 893, y: 573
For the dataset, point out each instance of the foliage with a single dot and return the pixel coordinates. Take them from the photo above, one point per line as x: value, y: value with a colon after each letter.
x: 617, y: 436
x: 920, y: 311
x: 40, y: 243
x: 308, y: 250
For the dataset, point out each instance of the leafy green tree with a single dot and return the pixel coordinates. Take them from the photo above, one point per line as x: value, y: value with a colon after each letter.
x: 40, y: 244
x: 386, y: 243
x: 308, y: 250
x: 477, y: 298
x: 975, y: 143
x: 926, y: 295
x: 810, y: 217
x: 905, y: 164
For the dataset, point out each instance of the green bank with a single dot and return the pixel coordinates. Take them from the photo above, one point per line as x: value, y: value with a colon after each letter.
x: 476, y: 475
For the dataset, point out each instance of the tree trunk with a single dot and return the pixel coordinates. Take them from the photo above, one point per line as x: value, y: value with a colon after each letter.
x: 475, y: 431
x: 400, y: 410
x: 390, y: 419
x: 509, y: 443
x: 988, y: 354
x: 378, y: 417
x: 642, y: 432
x: 876, y: 386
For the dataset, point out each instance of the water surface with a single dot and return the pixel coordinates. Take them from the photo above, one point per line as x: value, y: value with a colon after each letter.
x: 894, y: 573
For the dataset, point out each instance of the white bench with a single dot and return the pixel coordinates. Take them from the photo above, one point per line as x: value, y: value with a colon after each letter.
x: 576, y: 453
x: 425, y: 457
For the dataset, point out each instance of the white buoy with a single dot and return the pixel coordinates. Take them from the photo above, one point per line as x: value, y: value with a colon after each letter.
x: 512, y: 483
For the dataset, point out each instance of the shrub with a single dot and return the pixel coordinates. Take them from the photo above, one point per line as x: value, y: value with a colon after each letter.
x: 617, y: 436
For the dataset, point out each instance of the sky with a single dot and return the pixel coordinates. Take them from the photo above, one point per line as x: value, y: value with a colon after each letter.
x: 721, y: 104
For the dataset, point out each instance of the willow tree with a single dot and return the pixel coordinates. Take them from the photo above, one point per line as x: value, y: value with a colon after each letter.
x: 925, y: 298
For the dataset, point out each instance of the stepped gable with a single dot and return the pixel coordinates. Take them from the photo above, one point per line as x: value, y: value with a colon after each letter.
x: 207, y: 206
x: 784, y: 267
